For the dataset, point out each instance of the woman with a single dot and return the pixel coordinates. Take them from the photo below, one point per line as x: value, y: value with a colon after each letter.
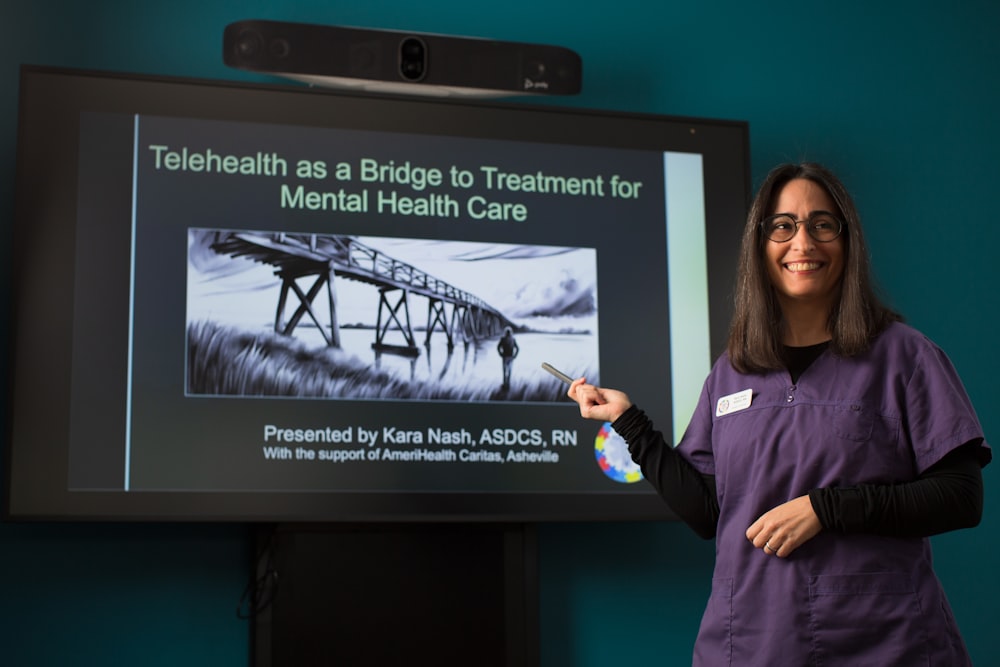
x: 829, y: 442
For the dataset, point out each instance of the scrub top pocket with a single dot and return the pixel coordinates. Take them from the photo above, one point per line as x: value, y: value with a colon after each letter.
x: 853, y: 422
x: 866, y: 619
x: 716, y: 646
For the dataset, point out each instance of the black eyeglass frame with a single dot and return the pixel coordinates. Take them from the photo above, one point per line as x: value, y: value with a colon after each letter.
x: 808, y: 222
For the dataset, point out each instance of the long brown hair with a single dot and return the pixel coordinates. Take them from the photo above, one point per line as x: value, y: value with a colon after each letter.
x: 858, y: 315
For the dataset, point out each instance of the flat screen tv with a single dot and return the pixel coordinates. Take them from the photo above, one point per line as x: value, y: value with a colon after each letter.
x: 248, y: 302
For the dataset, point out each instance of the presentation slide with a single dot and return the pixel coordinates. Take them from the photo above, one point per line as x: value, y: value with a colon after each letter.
x: 294, y: 308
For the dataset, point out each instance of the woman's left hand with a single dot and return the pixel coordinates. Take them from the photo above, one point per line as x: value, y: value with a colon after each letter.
x: 785, y: 528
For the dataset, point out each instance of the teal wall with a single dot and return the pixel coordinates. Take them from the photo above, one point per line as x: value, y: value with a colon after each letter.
x: 900, y: 98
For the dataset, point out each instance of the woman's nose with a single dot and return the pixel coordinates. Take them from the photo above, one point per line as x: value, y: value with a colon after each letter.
x: 802, y: 239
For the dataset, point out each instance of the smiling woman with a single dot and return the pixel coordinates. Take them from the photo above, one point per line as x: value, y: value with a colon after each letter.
x: 813, y: 521
x: 804, y: 271
x: 850, y: 316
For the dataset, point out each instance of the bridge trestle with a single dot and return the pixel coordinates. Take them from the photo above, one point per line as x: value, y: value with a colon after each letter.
x: 325, y: 257
x: 289, y: 283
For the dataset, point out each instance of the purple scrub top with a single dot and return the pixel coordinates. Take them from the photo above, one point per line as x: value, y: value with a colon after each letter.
x: 881, y: 417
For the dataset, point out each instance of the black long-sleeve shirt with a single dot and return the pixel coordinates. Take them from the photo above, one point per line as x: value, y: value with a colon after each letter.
x: 947, y: 496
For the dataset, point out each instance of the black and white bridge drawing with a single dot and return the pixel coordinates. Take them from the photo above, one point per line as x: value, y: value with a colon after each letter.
x: 309, y: 265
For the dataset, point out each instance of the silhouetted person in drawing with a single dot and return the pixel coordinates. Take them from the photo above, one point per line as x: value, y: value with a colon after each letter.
x: 507, y: 347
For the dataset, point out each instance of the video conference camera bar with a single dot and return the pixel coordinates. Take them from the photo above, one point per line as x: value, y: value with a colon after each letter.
x: 400, y: 62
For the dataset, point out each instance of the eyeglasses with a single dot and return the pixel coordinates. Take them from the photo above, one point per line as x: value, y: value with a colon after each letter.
x: 822, y: 226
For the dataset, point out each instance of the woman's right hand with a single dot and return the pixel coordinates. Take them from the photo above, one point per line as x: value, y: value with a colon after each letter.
x: 597, y: 402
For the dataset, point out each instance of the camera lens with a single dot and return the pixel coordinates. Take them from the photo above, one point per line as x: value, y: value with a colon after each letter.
x: 412, y: 59
x: 248, y: 44
x: 280, y: 48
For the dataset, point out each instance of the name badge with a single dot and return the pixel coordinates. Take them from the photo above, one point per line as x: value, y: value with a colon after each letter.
x: 734, y: 402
